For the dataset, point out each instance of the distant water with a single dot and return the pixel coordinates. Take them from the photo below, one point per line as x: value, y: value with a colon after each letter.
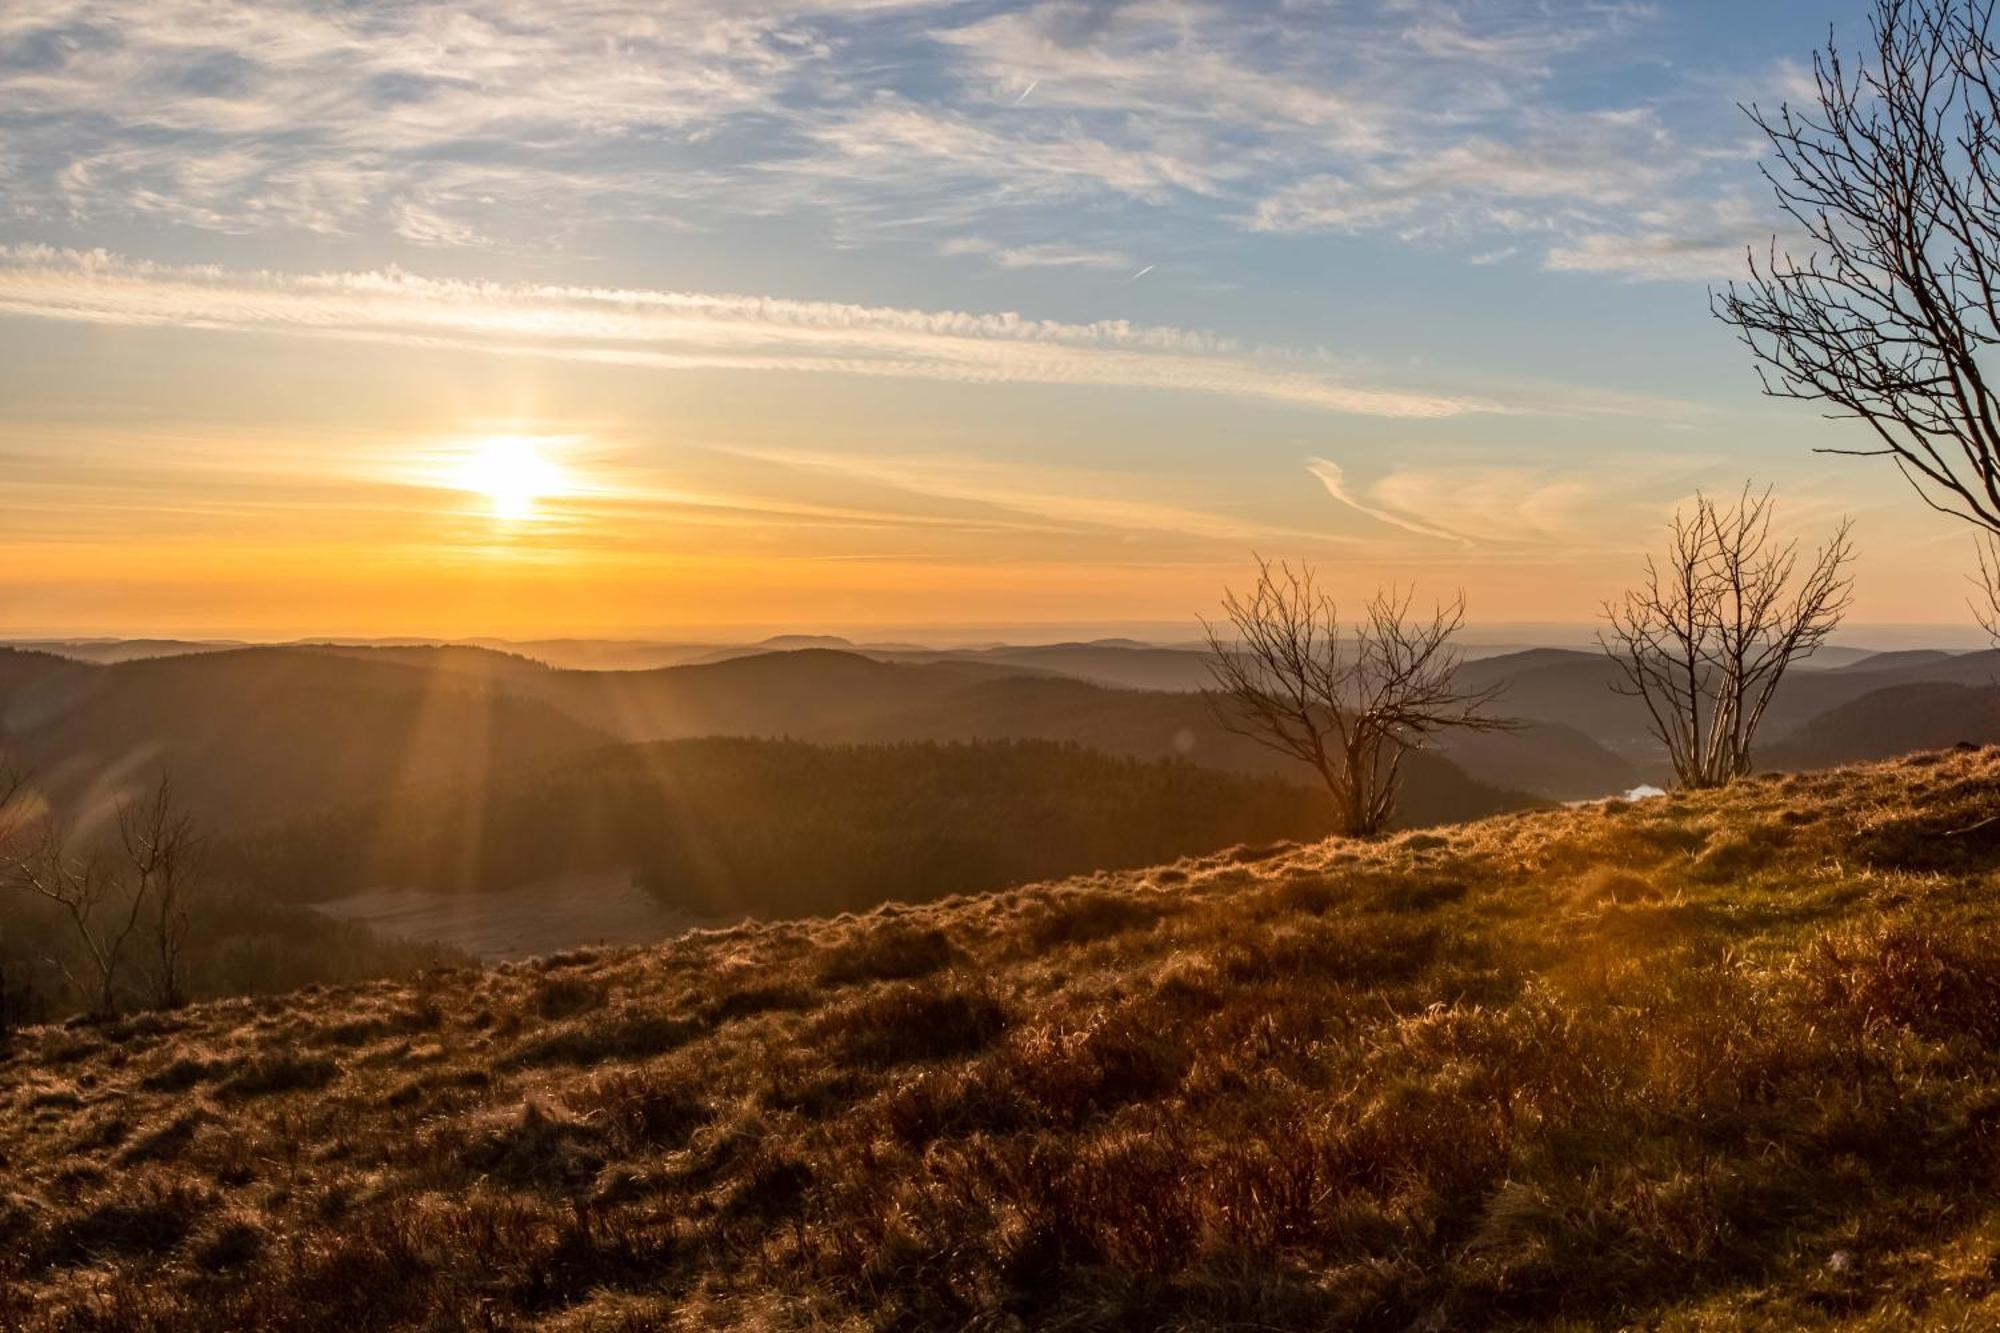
x: 1644, y: 791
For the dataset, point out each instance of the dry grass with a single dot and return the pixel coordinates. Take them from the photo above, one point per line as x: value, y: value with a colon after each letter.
x: 1717, y: 1061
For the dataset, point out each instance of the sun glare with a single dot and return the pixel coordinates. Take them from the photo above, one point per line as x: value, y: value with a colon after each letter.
x: 513, y: 473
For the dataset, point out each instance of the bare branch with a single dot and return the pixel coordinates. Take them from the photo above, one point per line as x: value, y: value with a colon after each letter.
x: 1985, y: 602
x: 138, y: 889
x: 1349, y: 701
x: 1892, y: 178
x: 164, y: 851
x: 1704, y: 643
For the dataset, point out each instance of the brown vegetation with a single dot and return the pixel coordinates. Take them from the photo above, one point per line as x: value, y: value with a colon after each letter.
x: 1716, y: 1060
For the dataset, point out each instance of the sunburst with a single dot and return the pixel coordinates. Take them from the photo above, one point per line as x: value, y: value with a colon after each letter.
x: 514, y: 473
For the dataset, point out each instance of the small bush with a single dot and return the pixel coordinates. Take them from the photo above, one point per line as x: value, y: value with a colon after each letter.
x: 1079, y: 918
x: 631, y: 1032
x: 887, y: 953
x: 279, y: 1072
x: 1935, y: 979
x: 1609, y: 884
x: 915, y: 1021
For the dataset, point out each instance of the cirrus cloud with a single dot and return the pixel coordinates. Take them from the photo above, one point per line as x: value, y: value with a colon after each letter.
x: 679, y: 330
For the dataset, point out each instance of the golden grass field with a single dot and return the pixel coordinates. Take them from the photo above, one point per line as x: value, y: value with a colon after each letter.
x: 1708, y: 1061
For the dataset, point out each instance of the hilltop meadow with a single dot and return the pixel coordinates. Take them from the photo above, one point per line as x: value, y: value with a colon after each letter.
x: 1711, y: 1060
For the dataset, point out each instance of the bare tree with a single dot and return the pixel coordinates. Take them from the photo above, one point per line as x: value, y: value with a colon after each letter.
x: 84, y: 887
x: 1349, y: 701
x: 1893, y: 179
x: 164, y: 851
x: 113, y: 898
x: 1705, y: 639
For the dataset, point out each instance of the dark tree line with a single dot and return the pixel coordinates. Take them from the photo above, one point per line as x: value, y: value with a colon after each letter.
x: 729, y: 826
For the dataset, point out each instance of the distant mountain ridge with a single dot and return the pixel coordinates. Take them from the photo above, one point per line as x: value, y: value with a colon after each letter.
x: 276, y: 732
x: 283, y: 730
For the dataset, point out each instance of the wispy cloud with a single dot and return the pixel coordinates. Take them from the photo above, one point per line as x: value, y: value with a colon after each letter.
x: 1606, y: 505
x: 1334, y: 479
x: 1482, y: 183
x: 1059, y: 500
x: 1043, y: 255
x: 507, y: 120
x: 688, y: 330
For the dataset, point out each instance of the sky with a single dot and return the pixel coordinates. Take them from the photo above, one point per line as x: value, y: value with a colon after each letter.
x: 677, y: 317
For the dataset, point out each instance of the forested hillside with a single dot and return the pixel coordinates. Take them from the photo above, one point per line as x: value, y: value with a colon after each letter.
x: 733, y: 827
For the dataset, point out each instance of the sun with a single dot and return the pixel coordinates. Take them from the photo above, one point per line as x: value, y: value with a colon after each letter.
x: 513, y: 473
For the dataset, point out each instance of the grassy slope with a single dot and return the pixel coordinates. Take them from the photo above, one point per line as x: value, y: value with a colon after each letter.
x: 1721, y: 1061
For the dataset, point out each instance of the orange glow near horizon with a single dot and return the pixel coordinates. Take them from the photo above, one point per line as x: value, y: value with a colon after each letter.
x: 543, y: 519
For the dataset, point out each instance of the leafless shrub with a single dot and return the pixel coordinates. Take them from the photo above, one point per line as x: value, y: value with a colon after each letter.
x: 1705, y: 640
x: 137, y: 892
x: 84, y: 888
x: 1347, y: 700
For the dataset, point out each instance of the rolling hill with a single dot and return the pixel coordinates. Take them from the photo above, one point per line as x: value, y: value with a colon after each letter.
x: 1575, y: 689
x: 255, y: 735
x: 1146, y: 725
x: 1891, y: 721
x: 269, y: 734
x: 1717, y: 1061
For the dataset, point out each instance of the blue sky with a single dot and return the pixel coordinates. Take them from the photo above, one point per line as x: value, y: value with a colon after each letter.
x: 863, y: 312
